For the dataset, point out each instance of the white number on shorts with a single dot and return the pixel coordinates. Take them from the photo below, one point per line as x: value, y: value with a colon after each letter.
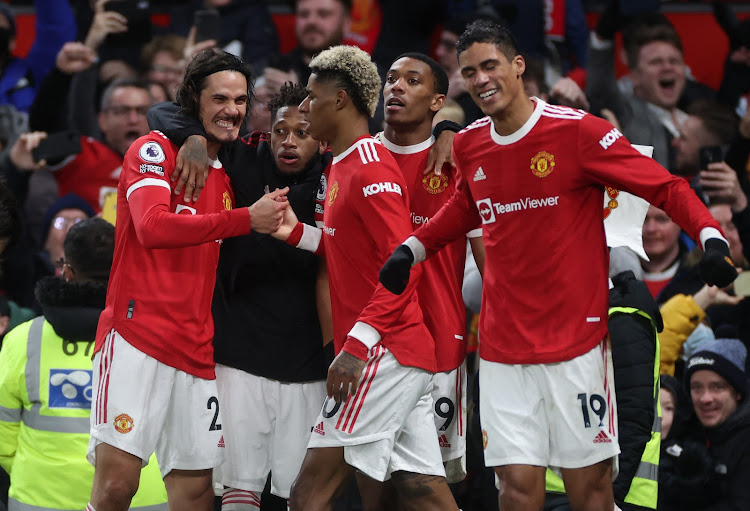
x: 333, y: 411
x: 447, y: 415
x: 598, y: 405
x: 213, y: 400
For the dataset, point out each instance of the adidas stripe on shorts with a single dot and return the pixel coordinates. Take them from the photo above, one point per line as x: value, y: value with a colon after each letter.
x: 571, y: 403
x: 388, y: 424
x: 141, y: 405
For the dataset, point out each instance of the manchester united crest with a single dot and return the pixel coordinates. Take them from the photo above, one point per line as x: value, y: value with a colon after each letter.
x: 542, y: 164
x: 226, y: 199
x: 333, y: 193
x: 435, y: 184
x: 612, y: 203
x: 123, y: 423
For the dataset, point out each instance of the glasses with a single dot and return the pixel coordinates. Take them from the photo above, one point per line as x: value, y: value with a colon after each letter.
x: 61, y: 222
x: 123, y: 110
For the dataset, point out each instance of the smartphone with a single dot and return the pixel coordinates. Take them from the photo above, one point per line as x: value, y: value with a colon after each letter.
x: 135, y: 11
x: 57, y: 146
x: 710, y: 154
x: 207, y: 25
x: 742, y: 284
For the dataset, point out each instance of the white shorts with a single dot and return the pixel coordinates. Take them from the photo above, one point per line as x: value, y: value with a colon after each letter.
x: 560, y: 415
x: 388, y: 424
x: 266, y: 429
x: 141, y: 406
x: 449, y: 396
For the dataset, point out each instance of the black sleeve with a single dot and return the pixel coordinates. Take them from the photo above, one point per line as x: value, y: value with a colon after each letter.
x: 48, y: 111
x: 736, y: 157
x: 83, y: 109
x: 177, y: 126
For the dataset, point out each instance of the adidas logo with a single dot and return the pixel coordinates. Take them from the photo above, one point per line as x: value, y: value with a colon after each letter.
x: 602, y: 438
x: 319, y: 429
x: 479, y: 175
x: 444, y: 441
x: 221, y: 442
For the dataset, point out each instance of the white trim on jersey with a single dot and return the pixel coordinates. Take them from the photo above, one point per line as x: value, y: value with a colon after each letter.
x: 474, y: 233
x: 215, y: 163
x: 523, y: 130
x: 476, y: 124
x: 149, y: 181
x: 563, y: 110
x: 365, y: 334
x: 417, y: 248
x: 369, y: 154
x: 405, y: 149
x: 708, y: 233
x: 310, y: 239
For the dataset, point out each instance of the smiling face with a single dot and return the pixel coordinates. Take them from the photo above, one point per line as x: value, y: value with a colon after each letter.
x: 659, y: 76
x: 409, y: 95
x: 318, y: 108
x: 293, y: 147
x: 660, y: 235
x: 714, y: 399
x: 493, y: 81
x: 667, y: 411
x: 223, y: 105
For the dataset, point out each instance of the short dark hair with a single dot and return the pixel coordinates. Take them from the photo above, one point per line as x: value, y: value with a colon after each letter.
x: 89, y: 248
x: 487, y: 31
x: 290, y: 94
x: 346, y: 3
x: 201, y: 67
x: 440, y: 77
x: 642, y: 34
x: 10, y: 216
x: 120, y: 84
x: 719, y: 121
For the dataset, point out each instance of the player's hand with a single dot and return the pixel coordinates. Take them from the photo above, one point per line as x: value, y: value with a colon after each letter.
x: 712, y: 295
x: 720, y: 184
x: 20, y: 153
x: 716, y: 267
x: 441, y: 153
x: 267, y: 214
x: 288, y: 223
x: 394, y: 275
x: 192, y: 48
x: 191, y: 168
x: 74, y: 57
x: 343, y: 376
x: 567, y: 92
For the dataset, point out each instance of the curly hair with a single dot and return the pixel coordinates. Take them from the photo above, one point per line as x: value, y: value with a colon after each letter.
x: 201, y: 67
x: 290, y: 94
x: 351, y: 69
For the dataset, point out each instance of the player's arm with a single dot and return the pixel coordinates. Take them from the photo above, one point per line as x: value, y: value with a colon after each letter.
x: 457, y: 217
x: 608, y: 158
x: 12, y: 381
x: 477, y: 249
x: 299, y: 234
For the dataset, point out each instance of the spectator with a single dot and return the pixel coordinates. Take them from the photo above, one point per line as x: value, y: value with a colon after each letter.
x: 10, y: 218
x: 163, y: 60
x: 707, y: 466
x: 20, y: 78
x: 666, y: 250
x: 46, y: 387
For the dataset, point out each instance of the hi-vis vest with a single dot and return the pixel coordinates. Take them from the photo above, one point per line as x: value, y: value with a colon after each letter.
x: 644, y: 486
x: 46, y: 390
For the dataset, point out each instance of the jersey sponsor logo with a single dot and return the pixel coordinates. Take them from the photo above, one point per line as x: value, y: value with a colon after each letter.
x: 333, y: 193
x: 479, y: 175
x: 418, y: 219
x: 443, y: 440
x: 319, y: 429
x: 226, y: 199
x: 151, y: 152
x: 612, y: 204
x: 181, y: 207
x: 435, y: 184
x: 221, y: 442
x: 319, y: 209
x: 610, y: 138
x: 484, y: 439
x: 70, y: 388
x: 124, y: 423
x: 602, y: 438
x: 488, y: 209
x: 331, y: 231
x: 542, y: 164
x: 156, y: 169
x: 385, y: 186
x: 322, y: 188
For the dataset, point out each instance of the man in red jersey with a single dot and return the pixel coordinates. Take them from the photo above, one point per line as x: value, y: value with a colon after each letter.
x: 378, y: 417
x: 154, y: 369
x: 534, y: 174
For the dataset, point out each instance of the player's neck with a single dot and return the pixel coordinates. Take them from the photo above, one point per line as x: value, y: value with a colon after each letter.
x: 349, y: 131
x: 660, y: 262
x: 212, y: 148
x: 510, y: 119
x: 406, y: 135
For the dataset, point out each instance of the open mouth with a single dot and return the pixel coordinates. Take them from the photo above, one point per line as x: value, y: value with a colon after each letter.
x: 668, y: 85
x: 394, y: 103
x: 288, y: 157
x: 133, y: 134
x: 226, y: 123
x: 487, y: 94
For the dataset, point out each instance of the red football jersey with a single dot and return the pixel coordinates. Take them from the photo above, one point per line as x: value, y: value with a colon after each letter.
x: 166, y: 253
x: 439, y: 289
x: 539, y: 194
x: 91, y: 174
x: 366, y: 217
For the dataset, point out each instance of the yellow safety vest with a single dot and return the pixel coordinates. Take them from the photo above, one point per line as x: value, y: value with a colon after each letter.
x: 645, y: 485
x: 46, y: 390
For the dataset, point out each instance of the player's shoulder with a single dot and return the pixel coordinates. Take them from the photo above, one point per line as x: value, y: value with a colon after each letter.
x: 154, y: 147
x: 562, y: 113
x: 474, y: 129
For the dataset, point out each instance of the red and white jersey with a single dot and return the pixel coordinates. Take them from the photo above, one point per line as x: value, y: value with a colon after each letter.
x: 366, y: 217
x: 439, y: 289
x: 539, y: 194
x: 166, y: 253
x: 92, y: 174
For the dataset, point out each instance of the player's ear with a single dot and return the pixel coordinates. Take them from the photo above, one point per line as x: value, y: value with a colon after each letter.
x: 342, y: 99
x: 438, y: 102
x: 519, y: 65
